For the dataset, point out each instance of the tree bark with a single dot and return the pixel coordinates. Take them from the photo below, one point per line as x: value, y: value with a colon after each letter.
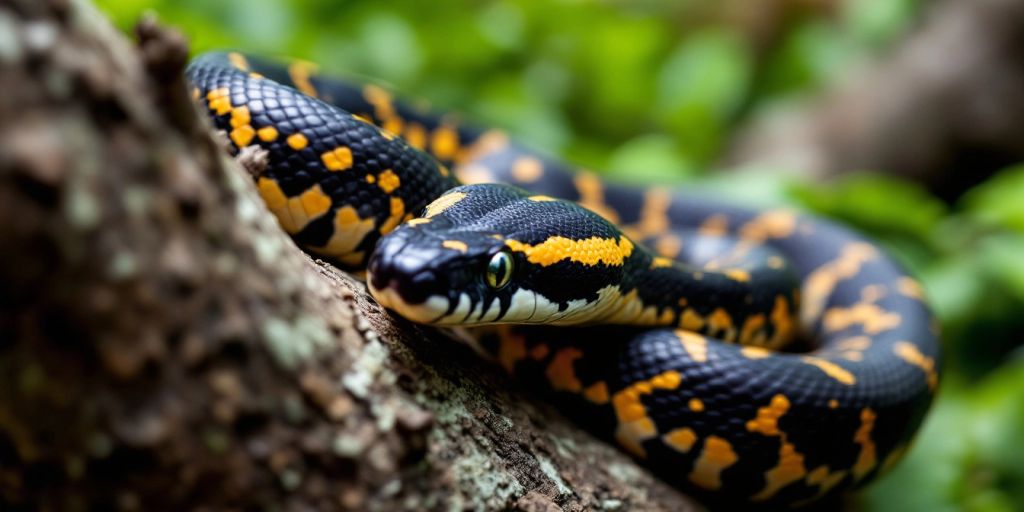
x: 164, y: 345
x: 944, y: 108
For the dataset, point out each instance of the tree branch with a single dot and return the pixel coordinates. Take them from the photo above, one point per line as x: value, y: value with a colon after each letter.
x: 164, y: 345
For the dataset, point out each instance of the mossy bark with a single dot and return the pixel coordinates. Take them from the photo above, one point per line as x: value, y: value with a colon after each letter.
x: 164, y: 345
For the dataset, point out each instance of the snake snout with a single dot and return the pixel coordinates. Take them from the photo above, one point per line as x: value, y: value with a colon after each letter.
x: 409, y: 272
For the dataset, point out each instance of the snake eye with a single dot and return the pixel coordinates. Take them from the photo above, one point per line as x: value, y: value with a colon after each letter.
x: 499, y: 270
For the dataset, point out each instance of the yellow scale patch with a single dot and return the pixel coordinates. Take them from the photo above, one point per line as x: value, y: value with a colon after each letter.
x: 294, y: 213
x: 267, y: 134
x: 909, y: 352
x: 300, y: 72
x: 634, y: 424
x: 392, y: 127
x: 443, y: 203
x: 694, y: 344
x: 338, y: 159
x: 444, y: 142
x: 872, y: 293
x: 720, y: 324
x: 560, y: 371
x: 691, y: 320
x: 833, y: 370
x: 770, y: 225
x: 388, y: 181
x: 852, y: 348
x: 297, y: 141
x: 591, y: 193
x: 381, y: 101
x: 591, y: 251
x: 755, y: 352
x: 867, y: 459
x: 738, y: 275
x: 910, y: 287
x: 511, y: 349
x: 751, y: 333
x: 715, y: 225
x: 714, y: 458
x: 783, y: 321
x: 397, y: 214
x: 871, y: 317
x: 668, y: 246
x: 653, y: 214
x: 696, y: 405
x: 349, y: 230
x: 597, y: 393
x: 824, y: 479
x: 242, y: 132
x: 821, y: 282
x: 218, y: 100
x: 527, y: 169
x: 660, y: 262
x: 457, y: 245
x: 239, y: 61
x: 790, y: 467
x: 416, y: 135
x: 853, y: 343
x: 490, y: 142
x: 680, y: 439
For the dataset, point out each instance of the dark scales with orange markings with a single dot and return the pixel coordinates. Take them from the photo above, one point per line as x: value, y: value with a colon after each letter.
x: 699, y: 388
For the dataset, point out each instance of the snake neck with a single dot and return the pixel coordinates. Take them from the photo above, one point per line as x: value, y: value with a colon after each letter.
x: 657, y: 291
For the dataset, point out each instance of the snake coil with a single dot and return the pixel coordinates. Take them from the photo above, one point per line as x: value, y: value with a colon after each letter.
x: 692, y: 377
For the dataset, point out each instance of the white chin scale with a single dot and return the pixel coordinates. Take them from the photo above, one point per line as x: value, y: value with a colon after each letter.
x: 526, y: 307
x: 428, y: 312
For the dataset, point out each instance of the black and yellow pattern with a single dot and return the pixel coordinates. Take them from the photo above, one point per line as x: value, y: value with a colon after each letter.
x: 690, y: 378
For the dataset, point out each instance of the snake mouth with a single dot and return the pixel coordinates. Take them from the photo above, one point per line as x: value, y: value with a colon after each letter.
x: 430, y: 311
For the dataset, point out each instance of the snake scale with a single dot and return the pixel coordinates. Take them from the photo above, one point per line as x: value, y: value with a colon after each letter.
x: 748, y: 356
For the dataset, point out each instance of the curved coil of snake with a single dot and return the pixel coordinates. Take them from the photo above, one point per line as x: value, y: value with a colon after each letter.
x: 699, y: 296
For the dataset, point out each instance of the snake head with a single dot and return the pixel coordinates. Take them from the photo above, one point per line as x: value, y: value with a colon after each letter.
x: 431, y: 278
x: 496, y: 254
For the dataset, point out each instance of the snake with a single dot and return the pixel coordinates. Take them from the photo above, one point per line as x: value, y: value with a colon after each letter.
x: 746, y: 355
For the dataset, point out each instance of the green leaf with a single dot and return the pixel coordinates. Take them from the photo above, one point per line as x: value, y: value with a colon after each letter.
x: 809, y: 56
x: 701, y: 86
x: 1003, y: 255
x: 876, y: 22
x: 876, y: 203
x: 999, y: 200
x: 931, y: 475
x: 649, y: 159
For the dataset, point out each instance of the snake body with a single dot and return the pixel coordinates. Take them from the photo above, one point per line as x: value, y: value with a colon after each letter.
x: 702, y: 297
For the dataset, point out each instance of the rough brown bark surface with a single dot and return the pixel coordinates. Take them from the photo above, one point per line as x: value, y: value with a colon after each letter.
x: 945, y: 108
x: 163, y: 345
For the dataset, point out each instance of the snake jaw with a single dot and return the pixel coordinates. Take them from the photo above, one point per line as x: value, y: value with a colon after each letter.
x: 425, y: 313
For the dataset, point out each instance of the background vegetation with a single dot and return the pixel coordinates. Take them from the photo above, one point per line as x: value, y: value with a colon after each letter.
x: 650, y: 90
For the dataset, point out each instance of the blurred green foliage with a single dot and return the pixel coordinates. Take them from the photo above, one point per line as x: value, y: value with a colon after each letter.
x: 650, y: 90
